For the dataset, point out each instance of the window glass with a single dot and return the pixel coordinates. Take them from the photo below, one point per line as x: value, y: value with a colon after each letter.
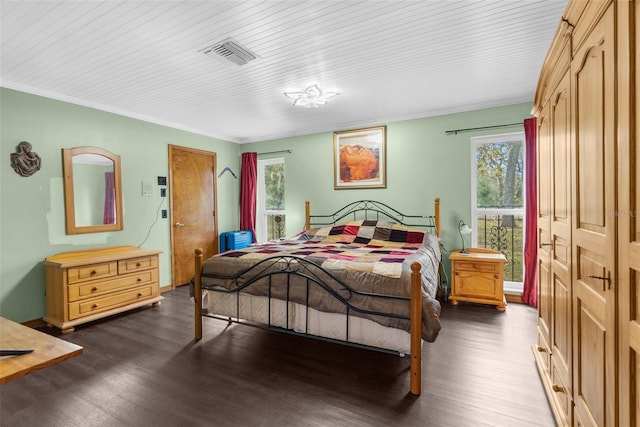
x: 498, y: 200
x: 270, y: 217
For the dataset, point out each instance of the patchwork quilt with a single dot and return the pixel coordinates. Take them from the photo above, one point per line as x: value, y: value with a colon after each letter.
x: 367, y: 256
x: 372, y: 246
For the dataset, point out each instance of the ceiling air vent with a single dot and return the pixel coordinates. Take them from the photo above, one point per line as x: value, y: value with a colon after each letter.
x: 229, y: 51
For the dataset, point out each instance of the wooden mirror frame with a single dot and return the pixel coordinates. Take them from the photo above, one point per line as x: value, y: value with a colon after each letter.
x: 69, y: 202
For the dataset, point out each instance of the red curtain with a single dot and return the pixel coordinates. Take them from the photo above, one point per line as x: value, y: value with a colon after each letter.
x: 530, y: 291
x: 248, y: 183
x: 109, y: 216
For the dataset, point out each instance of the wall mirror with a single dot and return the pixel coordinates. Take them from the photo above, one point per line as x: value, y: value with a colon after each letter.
x: 92, y: 190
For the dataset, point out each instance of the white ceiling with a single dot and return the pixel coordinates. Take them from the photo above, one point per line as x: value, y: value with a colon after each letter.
x: 389, y: 59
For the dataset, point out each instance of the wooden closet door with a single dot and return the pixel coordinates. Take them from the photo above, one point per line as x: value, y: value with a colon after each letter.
x: 629, y: 212
x: 544, y: 237
x: 594, y: 226
x: 561, y: 288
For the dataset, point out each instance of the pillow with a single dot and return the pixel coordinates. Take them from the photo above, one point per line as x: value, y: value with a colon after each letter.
x: 365, y: 232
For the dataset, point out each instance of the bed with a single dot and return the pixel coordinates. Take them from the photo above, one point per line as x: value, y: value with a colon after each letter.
x: 365, y: 275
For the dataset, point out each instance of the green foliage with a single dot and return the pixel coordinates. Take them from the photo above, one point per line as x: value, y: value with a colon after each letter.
x: 274, y: 186
x: 500, y: 169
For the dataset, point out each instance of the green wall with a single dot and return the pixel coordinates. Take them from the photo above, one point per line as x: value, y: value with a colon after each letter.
x: 422, y: 163
x: 32, y: 224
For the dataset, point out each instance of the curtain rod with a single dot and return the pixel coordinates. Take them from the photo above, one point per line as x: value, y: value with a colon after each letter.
x: 276, y: 152
x: 456, y: 131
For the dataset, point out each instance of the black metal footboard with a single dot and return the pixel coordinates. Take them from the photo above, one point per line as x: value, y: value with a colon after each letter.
x: 293, y: 279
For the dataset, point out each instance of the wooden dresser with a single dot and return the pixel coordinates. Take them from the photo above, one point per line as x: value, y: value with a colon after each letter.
x: 87, y: 285
x: 478, y: 276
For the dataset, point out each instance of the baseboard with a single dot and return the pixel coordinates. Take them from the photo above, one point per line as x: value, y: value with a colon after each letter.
x: 517, y: 298
x: 35, y: 323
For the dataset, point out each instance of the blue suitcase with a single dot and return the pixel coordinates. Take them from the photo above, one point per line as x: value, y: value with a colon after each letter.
x: 235, y: 240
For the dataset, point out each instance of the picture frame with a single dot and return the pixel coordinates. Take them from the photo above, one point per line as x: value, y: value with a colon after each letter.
x: 360, y: 158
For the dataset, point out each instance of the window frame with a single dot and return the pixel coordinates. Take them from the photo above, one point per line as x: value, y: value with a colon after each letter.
x: 476, y: 141
x: 261, y: 212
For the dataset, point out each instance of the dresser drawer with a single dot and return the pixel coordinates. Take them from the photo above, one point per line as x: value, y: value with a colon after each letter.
x: 477, y: 266
x: 135, y: 264
x: 97, y: 305
x: 85, y: 290
x: 92, y: 272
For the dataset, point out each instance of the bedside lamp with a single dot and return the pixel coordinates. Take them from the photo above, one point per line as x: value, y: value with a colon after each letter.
x: 463, y: 229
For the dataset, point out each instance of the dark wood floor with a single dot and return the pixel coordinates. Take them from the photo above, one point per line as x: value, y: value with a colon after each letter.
x: 144, y: 369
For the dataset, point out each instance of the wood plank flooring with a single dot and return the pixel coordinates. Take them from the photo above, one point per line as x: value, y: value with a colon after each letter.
x: 143, y: 368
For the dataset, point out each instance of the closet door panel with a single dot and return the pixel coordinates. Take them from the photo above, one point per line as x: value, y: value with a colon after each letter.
x: 629, y: 211
x: 545, y: 241
x: 593, y: 237
x: 561, y: 234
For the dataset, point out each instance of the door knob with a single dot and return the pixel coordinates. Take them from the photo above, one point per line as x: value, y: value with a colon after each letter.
x: 179, y: 224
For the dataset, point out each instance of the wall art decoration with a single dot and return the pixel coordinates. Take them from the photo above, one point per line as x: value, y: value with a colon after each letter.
x: 25, y: 161
x: 359, y: 158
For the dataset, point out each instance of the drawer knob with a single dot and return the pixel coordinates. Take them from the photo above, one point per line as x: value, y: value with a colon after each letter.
x: 94, y: 306
x: 139, y: 279
x: 541, y: 349
x: 94, y: 289
x: 138, y: 264
x: 457, y: 274
x: 496, y: 276
x: 558, y: 389
x: 93, y: 272
x: 139, y: 294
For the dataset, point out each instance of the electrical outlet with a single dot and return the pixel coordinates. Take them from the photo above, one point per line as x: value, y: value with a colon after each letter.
x: 162, y: 180
x: 163, y: 192
x: 164, y: 213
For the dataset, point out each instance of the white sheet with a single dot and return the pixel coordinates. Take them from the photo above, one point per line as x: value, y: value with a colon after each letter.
x: 328, y: 325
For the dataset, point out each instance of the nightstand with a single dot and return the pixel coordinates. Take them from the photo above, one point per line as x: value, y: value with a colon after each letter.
x: 478, y: 277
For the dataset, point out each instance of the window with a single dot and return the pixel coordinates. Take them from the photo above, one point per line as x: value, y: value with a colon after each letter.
x: 270, y: 217
x: 497, y: 200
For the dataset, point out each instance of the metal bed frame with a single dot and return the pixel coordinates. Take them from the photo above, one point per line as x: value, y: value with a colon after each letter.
x: 313, y: 275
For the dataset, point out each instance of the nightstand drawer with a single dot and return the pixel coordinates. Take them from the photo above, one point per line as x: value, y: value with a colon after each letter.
x: 473, y: 284
x: 477, y: 266
x: 96, y: 305
x: 92, y: 272
x: 136, y: 264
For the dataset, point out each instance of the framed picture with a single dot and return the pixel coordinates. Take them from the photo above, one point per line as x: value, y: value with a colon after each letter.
x: 360, y: 157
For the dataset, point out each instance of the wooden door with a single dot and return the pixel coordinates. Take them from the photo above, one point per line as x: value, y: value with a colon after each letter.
x: 594, y: 226
x: 544, y: 236
x: 561, y: 287
x: 192, y: 187
x: 628, y: 285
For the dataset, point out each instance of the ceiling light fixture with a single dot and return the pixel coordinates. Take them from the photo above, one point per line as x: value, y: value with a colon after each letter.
x: 312, y: 96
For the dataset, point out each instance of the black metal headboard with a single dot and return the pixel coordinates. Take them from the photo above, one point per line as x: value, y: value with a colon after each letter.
x: 373, y: 210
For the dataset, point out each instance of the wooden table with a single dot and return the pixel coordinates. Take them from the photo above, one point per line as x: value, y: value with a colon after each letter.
x: 47, y: 350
